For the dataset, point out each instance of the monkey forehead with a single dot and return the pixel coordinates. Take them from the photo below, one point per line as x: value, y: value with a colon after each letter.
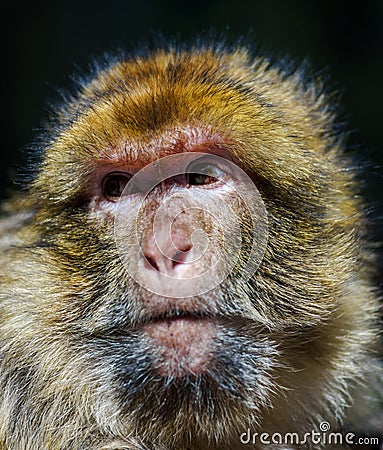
x: 150, y: 118
x: 170, y: 141
x: 137, y: 100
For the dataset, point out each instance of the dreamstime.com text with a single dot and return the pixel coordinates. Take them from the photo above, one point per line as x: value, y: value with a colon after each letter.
x: 321, y: 437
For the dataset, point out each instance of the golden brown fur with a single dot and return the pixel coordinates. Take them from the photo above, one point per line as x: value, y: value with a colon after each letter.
x: 306, y: 319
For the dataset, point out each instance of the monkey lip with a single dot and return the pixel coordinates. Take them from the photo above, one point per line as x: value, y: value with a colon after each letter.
x: 183, y: 343
x: 171, y: 314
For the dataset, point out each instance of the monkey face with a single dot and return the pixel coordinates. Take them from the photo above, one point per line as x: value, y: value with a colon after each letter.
x: 190, y: 229
x: 172, y: 255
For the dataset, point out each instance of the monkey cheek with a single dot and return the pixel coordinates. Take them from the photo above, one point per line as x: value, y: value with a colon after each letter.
x: 182, y: 346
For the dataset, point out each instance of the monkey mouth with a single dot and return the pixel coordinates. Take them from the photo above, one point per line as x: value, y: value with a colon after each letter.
x: 182, y: 342
x: 177, y: 314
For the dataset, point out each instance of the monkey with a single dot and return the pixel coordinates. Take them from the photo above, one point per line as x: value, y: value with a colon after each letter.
x: 189, y: 266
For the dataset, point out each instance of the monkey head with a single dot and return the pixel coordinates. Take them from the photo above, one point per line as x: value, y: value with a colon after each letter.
x: 194, y: 260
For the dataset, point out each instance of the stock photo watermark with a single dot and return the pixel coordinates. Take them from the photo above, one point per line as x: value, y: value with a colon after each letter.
x: 322, y: 436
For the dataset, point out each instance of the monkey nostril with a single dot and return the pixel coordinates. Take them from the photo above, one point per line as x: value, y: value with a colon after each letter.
x: 152, y: 262
x: 165, y: 264
x: 180, y: 255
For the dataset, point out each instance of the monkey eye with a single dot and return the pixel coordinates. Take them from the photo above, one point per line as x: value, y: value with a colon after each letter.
x: 202, y: 172
x: 114, y: 184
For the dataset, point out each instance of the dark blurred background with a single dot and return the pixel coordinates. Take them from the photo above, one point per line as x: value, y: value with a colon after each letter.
x: 45, y: 41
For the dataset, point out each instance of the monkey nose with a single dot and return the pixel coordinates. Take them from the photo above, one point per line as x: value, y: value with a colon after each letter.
x: 169, y: 260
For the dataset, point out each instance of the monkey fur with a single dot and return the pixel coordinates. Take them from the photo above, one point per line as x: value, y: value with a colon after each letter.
x: 286, y: 350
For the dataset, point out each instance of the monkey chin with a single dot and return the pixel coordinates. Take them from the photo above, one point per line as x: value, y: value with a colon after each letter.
x: 182, y: 345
